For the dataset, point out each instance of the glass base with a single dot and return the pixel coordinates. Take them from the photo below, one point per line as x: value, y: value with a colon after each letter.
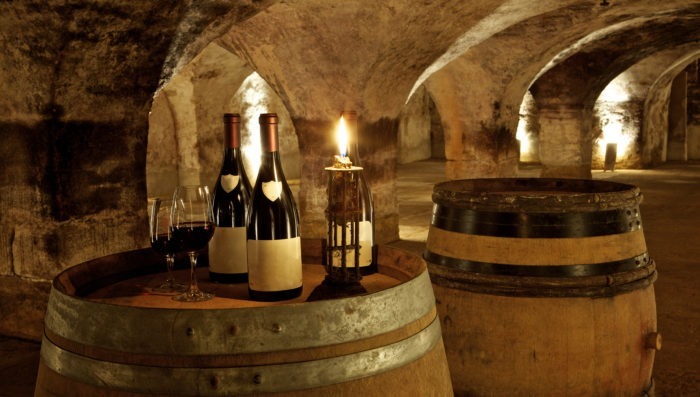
x: 170, y: 287
x: 193, y: 296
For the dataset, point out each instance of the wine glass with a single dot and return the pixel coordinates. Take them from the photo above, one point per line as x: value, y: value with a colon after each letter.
x: 163, y: 242
x: 192, y: 222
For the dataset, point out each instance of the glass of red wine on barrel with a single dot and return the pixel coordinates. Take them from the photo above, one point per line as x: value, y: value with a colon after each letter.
x: 162, y: 241
x: 192, y: 223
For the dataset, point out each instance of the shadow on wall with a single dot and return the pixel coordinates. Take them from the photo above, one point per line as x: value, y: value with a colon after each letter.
x: 80, y: 168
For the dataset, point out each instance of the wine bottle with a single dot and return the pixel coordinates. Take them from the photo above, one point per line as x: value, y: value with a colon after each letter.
x: 274, y: 245
x: 368, y: 251
x: 227, y: 248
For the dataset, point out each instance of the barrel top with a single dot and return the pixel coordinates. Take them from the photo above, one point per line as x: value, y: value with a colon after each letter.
x: 129, y: 278
x: 119, y: 287
x: 536, y: 194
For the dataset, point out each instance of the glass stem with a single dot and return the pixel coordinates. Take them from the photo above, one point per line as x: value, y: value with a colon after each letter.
x: 193, y: 275
x: 170, y: 261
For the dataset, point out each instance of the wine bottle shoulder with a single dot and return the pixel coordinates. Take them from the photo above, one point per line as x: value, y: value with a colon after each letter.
x: 273, y: 214
x: 230, y: 207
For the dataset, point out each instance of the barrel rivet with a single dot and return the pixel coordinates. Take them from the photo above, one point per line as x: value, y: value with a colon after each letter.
x: 214, y: 382
x: 653, y: 341
x: 257, y: 379
x: 276, y: 328
x: 190, y: 331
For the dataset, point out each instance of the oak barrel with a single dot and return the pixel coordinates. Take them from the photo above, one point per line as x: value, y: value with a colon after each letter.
x: 544, y: 287
x: 108, y: 334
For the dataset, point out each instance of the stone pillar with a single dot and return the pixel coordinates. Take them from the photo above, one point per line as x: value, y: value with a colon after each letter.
x: 484, y: 164
x: 677, y: 147
x: 180, y: 96
x: 415, y: 129
x: 161, y: 154
x: 316, y: 150
x: 693, y: 113
x: 437, y: 135
x: 565, y: 145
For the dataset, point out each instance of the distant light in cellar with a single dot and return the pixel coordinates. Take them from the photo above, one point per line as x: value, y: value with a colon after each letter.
x: 615, y: 120
x: 254, y: 101
x: 525, y: 129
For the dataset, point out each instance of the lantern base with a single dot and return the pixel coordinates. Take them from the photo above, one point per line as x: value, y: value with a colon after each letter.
x: 329, y: 289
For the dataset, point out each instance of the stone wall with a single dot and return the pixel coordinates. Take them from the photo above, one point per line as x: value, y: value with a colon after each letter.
x: 78, y: 78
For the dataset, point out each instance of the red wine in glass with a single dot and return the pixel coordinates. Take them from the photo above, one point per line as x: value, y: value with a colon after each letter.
x: 162, y: 241
x: 192, y: 223
x: 164, y: 245
x: 193, y: 236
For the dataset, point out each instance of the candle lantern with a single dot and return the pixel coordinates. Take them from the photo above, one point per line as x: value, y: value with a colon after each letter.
x: 342, y: 256
x: 342, y: 248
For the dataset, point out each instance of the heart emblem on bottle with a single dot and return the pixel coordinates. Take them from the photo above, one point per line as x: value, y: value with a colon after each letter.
x: 229, y: 182
x: 272, y: 190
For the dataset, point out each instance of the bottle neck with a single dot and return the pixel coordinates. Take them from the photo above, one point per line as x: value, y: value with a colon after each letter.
x: 271, y: 160
x: 353, y: 155
x: 269, y: 141
x: 232, y: 155
x: 351, y: 123
x: 232, y: 130
x: 232, y: 136
x: 232, y: 144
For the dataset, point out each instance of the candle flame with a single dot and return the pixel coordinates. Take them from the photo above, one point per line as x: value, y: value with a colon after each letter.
x: 342, y: 137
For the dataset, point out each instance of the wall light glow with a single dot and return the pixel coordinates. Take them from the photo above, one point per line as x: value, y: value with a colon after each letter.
x: 527, y: 131
x: 615, y: 120
x: 615, y: 91
x: 612, y: 133
x: 254, y: 100
x: 522, y: 136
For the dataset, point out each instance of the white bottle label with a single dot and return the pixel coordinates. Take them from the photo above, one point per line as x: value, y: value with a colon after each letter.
x: 274, y: 265
x: 227, y: 250
x: 365, y: 237
x: 229, y: 182
x: 272, y: 190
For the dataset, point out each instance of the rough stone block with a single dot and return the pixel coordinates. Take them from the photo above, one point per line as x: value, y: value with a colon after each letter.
x: 35, y: 250
x: 23, y: 305
x: 41, y: 252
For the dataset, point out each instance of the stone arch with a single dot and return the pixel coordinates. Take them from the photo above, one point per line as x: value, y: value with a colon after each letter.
x: 654, y: 126
x: 566, y: 92
x: 635, y: 85
x: 185, y: 129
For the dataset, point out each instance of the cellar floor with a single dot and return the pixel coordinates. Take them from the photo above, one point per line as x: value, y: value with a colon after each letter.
x: 671, y: 216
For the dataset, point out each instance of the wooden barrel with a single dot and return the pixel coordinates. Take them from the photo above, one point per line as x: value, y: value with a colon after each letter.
x: 544, y: 287
x: 108, y: 334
